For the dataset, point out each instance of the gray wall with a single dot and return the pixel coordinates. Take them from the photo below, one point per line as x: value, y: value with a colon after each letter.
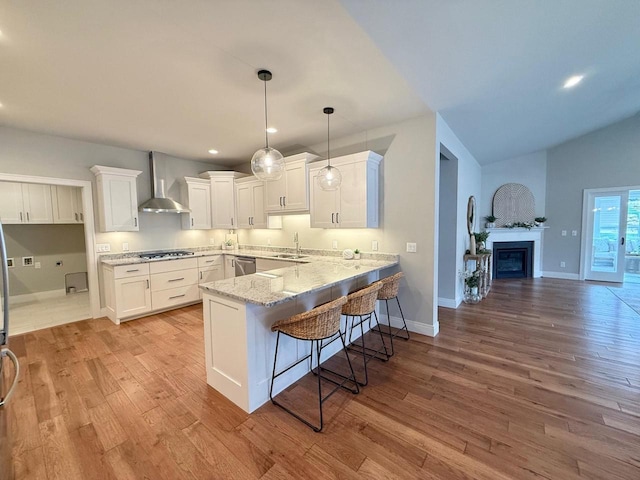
x: 528, y: 170
x: 609, y: 157
x: 447, y: 252
x: 47, y: 244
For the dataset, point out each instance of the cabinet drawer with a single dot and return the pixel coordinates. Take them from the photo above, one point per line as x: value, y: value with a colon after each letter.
x: 179, y: 278
x: 210, y: 261
x: 174, y: 296
x: 173, y: 265
x: 133, y: 270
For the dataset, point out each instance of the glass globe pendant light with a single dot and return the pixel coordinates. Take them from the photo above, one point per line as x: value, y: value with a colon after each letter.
x: 329, y: 177
x: 267, y: 163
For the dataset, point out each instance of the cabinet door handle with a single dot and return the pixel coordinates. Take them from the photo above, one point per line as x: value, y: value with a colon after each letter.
x: 337, y: 217
x: 28, y: 217
x: 280, y: 201
x: 209, y: 261
x: 176, y: 296
x: 284, y: 201
x: 233, y: 263
x: 135, y: 221
x: 21, y: 216
x: 175, y: 279
x: 134, y: 270
x: 76, y: 216
x: 200, y: 275
x: 147, y: 284
x: 332, y: 217
x: 232, y: 221
x: 192, y: 221
x: 81, y: 217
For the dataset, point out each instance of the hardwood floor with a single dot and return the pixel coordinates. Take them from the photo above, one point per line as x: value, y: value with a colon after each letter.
x: 540, y: 380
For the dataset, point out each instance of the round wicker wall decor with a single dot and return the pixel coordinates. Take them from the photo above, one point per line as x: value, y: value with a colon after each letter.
x: 513, y: 202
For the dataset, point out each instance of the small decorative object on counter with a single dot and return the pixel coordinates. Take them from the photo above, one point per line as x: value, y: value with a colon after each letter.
x: 540, y: 221
x: 491, y: 221
x: 356, y: 254
x: 227, y: 245
x: 347, y: 254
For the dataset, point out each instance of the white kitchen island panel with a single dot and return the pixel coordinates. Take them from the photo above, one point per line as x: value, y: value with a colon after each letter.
x: 240, y: 347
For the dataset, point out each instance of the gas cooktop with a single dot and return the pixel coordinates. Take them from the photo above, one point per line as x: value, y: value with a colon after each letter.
x: 165, y: 254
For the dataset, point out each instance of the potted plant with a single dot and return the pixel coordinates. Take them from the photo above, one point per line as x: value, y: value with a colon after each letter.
x: 491, y: 221
x: 481, y: 238
x: 540, y: 221
x: 471, y: 285
x: 356, y: 254
x: 228, y: 245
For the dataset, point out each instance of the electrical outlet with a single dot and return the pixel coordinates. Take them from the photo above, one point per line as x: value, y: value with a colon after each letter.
x: 334, y: 244
x: 212, y: 241
x: 412, y: 247
x: 562, y: 264
x: 38, y: 265
x: 10, y: 262
x: 103, y: 247
x: 268, y: 242
x: 374, y: 245
x: 574, y: 233
x: 125, y: 246
x: 564, y: 233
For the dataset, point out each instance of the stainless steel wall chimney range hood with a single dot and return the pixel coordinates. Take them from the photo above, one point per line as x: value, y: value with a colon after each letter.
x: 159, y: 203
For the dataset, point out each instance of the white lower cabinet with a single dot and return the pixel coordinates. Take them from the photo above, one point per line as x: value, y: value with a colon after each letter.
x: 210, y: 269
x: 229, y: 266
x: 135, y: 290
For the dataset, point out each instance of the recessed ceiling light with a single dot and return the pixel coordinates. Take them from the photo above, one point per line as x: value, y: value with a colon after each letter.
x: 573, y: 81
x: 213, y: 151
x: 272, y: 130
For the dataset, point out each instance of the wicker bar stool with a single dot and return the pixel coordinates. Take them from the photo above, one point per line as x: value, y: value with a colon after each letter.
x: 389, y: 291
x: 316, y: 325
x: 361, y: 306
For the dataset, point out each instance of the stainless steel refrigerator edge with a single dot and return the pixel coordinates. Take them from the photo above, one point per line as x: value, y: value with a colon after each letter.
x: 6, y: 358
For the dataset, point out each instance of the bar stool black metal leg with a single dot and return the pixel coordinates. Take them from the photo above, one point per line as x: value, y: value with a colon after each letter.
x: 404, y: 322
x: 320, y: 400
x: 275, y: 359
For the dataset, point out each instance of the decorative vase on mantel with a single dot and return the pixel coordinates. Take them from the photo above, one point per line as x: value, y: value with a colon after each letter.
x: 472, y: 244
x: 490, y: 224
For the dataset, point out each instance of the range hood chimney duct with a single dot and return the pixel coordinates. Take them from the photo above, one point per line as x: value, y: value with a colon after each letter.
x: 159, y: 203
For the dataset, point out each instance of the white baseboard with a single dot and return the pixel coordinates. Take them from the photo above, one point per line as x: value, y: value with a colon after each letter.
x: 37, y: 296
x: 565, y: 276
x: 413, y: 326
x: 448, y: 302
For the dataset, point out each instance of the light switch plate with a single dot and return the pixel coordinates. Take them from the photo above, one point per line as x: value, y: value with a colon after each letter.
x: 334, y: 244
x: 374, y: 245
x: 27, y: 261
x: 125, y: 246
x: 38, y: 265
x: 412, y: 247
x: 103, y: 247
x: 564, y: 233
x: 574, y: 233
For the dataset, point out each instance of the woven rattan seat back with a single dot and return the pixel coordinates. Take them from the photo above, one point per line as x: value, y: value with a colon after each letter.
x: 362, y: 302
x: 390, y: 286
x: 320, y: 322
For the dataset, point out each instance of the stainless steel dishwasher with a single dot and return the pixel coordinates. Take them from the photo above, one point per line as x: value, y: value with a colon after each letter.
x: 245, y: 266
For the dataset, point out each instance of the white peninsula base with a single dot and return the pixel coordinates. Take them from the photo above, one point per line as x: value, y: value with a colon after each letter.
x: 239, y: 344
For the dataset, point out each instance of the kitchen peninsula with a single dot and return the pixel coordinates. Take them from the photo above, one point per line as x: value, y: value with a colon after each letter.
x: 239, y: 312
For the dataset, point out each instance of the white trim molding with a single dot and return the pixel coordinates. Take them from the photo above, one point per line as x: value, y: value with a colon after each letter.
x: 562, y: 275
x: 430, y: 330
x: 448, y: 302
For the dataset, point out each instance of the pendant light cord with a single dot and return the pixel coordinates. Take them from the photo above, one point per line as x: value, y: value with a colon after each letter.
x: 328, y: 142
x: 266, y: 122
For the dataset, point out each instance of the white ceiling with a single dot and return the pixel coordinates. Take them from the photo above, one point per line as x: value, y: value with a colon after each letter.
x: 494, y: 69
x: 179, y: 77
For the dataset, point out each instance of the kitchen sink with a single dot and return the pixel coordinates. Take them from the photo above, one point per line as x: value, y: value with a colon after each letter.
x: 291, y: 256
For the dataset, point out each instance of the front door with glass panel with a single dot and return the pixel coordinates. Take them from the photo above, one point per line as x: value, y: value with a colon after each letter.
x: 606, y: 227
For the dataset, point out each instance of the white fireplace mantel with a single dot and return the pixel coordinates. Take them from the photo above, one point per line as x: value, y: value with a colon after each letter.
x: 534, y: 235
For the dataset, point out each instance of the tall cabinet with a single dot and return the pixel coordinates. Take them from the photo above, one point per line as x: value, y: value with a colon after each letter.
x: 355, y: 204
x: 291, y: 192
x: 223, y: 202
x: 196, y: 194
x: 250, y: 196
x: 117, y: 198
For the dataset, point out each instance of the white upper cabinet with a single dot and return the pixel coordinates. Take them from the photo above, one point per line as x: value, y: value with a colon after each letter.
x: 67, y: 204
x: 196, y: 194
x: 355, y: 204
x: 25, y: 203
x: 291, y: 192
x: 223, y: 202
x: 250, y: 201
x: 117, y: 198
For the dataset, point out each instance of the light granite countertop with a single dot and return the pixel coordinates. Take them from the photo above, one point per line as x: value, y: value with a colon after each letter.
x: 283, y: 284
